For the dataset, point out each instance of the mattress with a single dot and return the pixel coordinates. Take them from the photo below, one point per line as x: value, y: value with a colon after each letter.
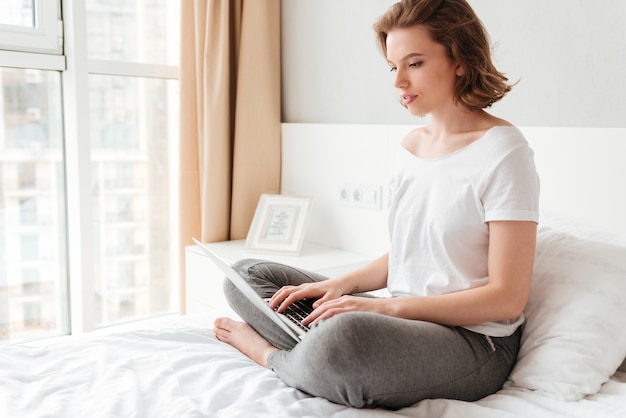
x: 573, y: 341
x: 175, y: 367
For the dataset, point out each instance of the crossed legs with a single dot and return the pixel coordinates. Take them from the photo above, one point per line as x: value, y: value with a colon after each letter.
x: 360, y: 358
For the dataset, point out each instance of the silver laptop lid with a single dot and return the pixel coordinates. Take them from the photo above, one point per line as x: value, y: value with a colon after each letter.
x: 248, y: 292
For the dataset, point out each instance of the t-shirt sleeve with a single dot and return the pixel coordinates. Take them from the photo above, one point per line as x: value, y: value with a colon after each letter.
x: 512, y: 189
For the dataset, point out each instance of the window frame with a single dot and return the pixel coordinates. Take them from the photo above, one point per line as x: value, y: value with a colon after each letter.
x: 45, y: 37
x: 62, y: 46
x: 78, y: 160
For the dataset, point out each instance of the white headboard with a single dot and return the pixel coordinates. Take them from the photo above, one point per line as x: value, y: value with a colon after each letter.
x: 582, y: 173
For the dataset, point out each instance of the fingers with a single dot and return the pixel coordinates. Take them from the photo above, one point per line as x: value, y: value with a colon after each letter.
x: 327, y: 297
x: 323, y: 312
x: 281, y: 295
x: 332, y: 307
x: 285, y: 296
x: 326, y: 309
x: 294, y: 296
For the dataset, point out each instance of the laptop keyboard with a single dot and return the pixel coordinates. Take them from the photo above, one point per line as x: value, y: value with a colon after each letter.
x: 299, y: 310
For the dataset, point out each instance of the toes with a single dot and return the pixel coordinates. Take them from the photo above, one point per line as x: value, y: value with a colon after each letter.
x: 221, y: 329
x: 222, y: 323
x: 221, y: 335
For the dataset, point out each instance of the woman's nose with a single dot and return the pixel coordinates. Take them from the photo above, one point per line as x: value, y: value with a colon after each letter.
x: 399, y: 80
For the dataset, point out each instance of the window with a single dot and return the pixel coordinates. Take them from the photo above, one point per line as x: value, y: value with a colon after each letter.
x: 31, y: 25
x: 32, y: 204
x: 18, y: 13
x: 88, y: 152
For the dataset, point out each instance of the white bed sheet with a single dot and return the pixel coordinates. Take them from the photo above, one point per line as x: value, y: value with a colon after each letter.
x: 176, y: 368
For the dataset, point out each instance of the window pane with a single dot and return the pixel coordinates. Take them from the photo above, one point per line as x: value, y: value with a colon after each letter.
x: 33, y: 267
x: 18, y: 13
x: 134, y: 31
x: 132, y: 121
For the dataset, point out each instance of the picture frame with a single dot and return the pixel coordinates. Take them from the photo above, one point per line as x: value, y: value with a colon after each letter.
x: 279, y: 224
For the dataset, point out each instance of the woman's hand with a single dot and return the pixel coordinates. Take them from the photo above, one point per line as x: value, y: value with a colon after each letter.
x: 344, y: 304
x: 323, y: 291
x: 372, y: 276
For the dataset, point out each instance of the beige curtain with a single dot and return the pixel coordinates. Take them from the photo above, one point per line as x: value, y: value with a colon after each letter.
x: 230, y: 116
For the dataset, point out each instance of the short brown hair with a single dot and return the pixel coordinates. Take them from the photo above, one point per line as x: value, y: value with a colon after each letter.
x: 453, y: 24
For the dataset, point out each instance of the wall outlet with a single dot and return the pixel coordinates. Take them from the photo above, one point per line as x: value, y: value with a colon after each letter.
x: 360, y: 196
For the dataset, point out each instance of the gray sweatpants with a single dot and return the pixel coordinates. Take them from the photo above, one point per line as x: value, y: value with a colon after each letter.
x: 363, y: 359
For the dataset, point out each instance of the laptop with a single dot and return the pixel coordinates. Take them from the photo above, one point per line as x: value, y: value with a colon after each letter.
x: 289, y: 321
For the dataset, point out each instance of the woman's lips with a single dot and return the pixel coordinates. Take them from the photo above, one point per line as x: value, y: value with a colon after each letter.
x: 407, y: 99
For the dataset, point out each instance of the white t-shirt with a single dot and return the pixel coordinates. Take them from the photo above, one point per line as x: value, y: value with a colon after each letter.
x: 440, y: 209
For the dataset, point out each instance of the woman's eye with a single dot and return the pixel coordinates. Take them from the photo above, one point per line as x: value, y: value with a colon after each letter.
x: 416, y: 64
x: 393, y: 69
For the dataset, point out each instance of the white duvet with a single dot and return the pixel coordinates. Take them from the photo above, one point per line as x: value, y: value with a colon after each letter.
x: 176, y: 368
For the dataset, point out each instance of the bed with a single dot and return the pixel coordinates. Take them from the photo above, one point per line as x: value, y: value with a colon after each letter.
x: 574, y: 341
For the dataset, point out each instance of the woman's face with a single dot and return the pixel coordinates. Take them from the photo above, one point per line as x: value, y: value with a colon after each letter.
x: 424, y: 73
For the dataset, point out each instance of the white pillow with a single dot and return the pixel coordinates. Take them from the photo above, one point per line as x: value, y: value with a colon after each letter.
x: 574, y: 338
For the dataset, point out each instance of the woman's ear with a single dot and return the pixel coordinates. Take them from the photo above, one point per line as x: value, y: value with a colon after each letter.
x: 460, y: 70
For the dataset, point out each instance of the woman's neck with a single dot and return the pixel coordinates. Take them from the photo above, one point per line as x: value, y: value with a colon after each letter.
x: 459, y: 120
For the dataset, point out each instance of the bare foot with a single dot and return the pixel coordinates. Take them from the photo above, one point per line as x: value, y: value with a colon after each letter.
x: 241, y: 336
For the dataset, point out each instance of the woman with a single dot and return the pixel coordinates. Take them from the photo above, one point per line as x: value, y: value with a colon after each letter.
x: 462, y: 223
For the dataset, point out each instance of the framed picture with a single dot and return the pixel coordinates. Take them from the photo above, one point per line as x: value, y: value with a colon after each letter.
x: 279, y: 224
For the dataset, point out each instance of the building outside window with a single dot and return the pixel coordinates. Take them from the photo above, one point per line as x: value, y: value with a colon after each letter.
x: 88, y: 159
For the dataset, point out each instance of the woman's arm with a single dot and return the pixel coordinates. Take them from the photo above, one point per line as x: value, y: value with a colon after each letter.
x: 511, y: 257
x: 372, y: 276
x: 510, y: 264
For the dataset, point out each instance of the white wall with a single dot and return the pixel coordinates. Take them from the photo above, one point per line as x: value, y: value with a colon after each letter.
x: 581, y: 171
x: 319, y: 159
x: 342, y: 114
x: 568, y: 55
